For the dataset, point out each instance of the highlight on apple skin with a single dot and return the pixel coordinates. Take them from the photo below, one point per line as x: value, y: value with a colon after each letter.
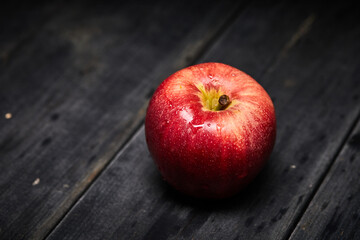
x: 210, y: 129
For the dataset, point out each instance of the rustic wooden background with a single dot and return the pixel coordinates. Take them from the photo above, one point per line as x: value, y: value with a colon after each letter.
x: 75, y: 81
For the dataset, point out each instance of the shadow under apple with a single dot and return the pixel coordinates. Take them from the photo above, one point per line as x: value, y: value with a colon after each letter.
x: 257, y: 195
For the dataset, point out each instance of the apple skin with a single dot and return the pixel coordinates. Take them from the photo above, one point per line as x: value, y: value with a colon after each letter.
x: 205, y: 153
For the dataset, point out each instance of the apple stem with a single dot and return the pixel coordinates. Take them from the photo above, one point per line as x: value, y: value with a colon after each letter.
x: 224, y: 102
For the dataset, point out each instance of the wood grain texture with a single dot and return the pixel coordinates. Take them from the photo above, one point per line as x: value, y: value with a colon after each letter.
x: 311, y: 73
x: 334, y: 212
x: 77, y: 90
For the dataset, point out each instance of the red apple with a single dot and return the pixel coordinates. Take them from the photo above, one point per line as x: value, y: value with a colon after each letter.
x: 210, y: 129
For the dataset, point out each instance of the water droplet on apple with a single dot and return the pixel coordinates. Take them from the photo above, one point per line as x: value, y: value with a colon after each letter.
x: 233, y: 74
x: 219, y: 127
x: 209, y: 124
x: 211, y: 76
x: 196, y: 127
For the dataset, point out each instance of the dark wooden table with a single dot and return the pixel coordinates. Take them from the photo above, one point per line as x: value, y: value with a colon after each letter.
x: 75, y: 81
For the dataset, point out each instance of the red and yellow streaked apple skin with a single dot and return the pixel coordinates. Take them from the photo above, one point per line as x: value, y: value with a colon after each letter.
x: 204, y: 153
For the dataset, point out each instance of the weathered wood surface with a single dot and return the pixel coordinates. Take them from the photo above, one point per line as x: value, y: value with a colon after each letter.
x: 334, y: 212
x: 307, y: 58
x: 76, y: 79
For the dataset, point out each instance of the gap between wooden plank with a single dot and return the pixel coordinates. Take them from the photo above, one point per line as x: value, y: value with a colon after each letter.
x: 199, y: 54
x: 347, y: 136
x: 303, y: 29
x: 334, y: 212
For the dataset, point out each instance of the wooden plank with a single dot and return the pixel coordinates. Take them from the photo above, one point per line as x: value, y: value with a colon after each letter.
x: 78, y: 89
x: 20, y: 21
x: 314, y: 93
x: 334, y: 212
